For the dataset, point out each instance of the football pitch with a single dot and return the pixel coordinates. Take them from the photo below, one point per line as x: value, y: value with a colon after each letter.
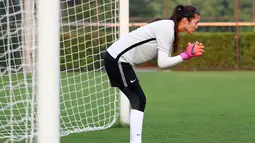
x: 189, y: 107
x: 182, y: 107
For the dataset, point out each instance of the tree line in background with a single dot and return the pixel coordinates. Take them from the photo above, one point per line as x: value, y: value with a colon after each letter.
x: 211, y: 10
x: 140, y: 11
x: 145, y: 10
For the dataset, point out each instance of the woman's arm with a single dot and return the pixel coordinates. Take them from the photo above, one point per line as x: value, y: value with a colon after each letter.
x: 193, y: 50
x: 164, y: 61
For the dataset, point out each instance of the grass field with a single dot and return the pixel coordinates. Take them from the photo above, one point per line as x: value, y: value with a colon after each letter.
x: 186, y: 107
x: 190, y: 107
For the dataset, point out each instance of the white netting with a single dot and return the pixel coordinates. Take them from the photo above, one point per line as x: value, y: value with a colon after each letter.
x: 86, y: 102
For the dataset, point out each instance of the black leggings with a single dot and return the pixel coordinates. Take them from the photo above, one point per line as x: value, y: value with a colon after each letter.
x: 123, y: 76
x: 136, y: 96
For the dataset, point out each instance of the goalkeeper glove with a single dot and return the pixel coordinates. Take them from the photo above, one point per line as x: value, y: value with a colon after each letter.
x: 193, y: 50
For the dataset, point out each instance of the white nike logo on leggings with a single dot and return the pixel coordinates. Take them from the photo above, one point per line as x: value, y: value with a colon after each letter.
x: 132, y: 81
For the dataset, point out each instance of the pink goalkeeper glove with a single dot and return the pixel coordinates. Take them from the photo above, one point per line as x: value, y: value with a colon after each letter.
x: 193, y: 50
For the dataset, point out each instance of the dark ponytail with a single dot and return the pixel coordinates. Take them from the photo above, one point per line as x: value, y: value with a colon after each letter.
x: 174, y: 18
x: 179, y: 12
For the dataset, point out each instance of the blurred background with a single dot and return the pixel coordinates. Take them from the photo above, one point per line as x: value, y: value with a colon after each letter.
x: 211, y: 11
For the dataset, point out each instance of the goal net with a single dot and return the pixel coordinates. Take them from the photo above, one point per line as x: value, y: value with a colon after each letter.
x: 86, y: 100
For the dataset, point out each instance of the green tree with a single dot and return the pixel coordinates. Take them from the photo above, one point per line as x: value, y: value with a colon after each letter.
x: 142, y: 10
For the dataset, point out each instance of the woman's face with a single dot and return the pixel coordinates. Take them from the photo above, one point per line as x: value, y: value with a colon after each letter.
x: 191, y: 25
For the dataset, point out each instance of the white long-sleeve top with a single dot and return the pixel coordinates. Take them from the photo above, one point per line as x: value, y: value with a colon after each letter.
x: 146, y: 43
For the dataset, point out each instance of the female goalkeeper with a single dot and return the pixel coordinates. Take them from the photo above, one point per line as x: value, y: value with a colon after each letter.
x: 156, y: 39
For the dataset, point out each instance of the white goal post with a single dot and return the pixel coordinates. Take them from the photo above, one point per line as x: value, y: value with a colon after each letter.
x: 48, y: 90
x: 124, y: 29
x: 51, y: 51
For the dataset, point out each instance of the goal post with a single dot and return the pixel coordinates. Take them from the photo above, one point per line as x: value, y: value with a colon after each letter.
x: 48, y: 112
x: 124, y: 29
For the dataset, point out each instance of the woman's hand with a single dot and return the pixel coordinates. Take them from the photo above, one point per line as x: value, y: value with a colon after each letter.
x: 193, y: 50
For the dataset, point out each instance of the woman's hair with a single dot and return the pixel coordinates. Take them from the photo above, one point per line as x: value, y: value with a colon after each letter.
x: 179, y: 12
